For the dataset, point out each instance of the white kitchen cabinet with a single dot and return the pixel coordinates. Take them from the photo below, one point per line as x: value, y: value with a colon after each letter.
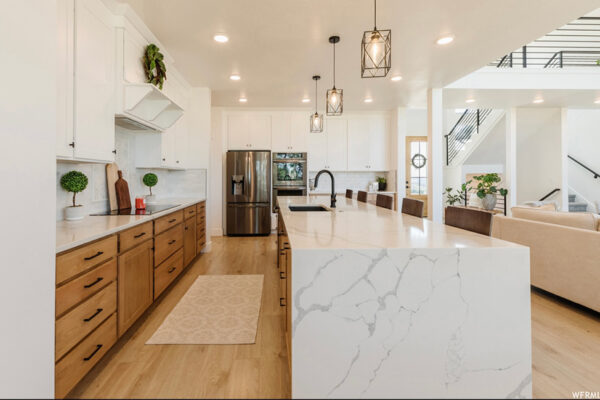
x: 247, y: 131
x: 300, y: 129
x: 289, y: 131
x: 368, y: 143
x: 328, y: 149
x: 379, y: 144
x: 64, y: 101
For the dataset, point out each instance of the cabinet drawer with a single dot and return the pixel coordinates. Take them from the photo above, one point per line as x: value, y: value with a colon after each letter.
x: 201, y: 219
x: 77, y: 323
x: 189, y: 212
x: 189, y: 241
x: 85, y: 286
x: 135, y: 235
x: 167, y: 271
x: 70, y: 370
x: 200, y: 207
x: 167, y: 243
x: 163, y: 223
x: 201, y: 242
x: 76, y: 261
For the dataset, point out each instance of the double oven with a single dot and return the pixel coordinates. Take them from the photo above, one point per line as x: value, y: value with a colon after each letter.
x: 290, y: 175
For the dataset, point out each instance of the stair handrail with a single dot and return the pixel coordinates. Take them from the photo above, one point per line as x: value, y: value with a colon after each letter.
x: 550, y: 194
x: 596, y: 174
x: 470, y: 117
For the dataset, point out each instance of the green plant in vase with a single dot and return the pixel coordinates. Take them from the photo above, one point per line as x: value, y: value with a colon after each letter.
x: 74, y: 182
x: 459, y: 197
x: 382, y: 182
x: 150, y: 180
x: 487, y: 189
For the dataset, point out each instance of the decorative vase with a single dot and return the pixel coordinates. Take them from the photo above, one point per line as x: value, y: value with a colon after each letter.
x: 382, y: 186
x: 489, y: 201
x: 151, y: 199
x: 74, y: 213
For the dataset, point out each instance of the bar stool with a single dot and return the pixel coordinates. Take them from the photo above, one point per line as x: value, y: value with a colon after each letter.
x: 362, y: 196
x: 477, y: 221
x: 348, y: 193
x: 385, y: 201
x: 413, y: 207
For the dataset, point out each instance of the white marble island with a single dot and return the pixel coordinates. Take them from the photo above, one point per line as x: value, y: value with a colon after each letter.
x: 386, y: 305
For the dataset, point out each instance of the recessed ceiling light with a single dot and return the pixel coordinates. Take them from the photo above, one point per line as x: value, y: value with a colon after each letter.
x: 396, y: 78
x: 221, y: 38
x: 235, y: 77
x: 305, y: 100
x: 243, y: 100
x: 445, y: 40
x: 368, y: 100
x: 538, y: 101
x: 470, y: 101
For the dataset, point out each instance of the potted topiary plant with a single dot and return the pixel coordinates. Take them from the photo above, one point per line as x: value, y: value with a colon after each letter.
x: 150, y: 180
x: 487, y: 190
x: 74, y: 182
x: 382, y: 183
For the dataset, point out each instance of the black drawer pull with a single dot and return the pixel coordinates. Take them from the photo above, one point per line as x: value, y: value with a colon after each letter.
x: 88, y: 358
x: 140, y: 235
x: 281, y: 299
x: 93, y: 283
x: 172, y: 241
x: 281, y: 275
x: 191, y: 211
x: 98, y: 311
x: 94, y: 256
x: 186, y: 228
x: 172, y: 269
x: 172, y: 220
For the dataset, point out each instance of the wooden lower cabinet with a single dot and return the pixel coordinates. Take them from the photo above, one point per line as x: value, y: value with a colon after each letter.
x: 166, y: 273
x: 69, y: 371
x: 189, y: 241
x: 136, y: 284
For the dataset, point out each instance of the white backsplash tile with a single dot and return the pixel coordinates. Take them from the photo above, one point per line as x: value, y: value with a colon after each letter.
x: 351, y: 180
x: 95, y: 197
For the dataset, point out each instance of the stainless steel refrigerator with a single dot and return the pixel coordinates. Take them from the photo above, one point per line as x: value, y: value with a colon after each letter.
x: 248, y: 182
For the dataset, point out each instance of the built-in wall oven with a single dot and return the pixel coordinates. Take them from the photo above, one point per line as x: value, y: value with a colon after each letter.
x: 289, y: 175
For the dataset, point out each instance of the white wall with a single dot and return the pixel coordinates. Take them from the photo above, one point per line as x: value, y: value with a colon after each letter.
x: 28, y: 33
x: 538, y: 152
x: 583, y: 132
x: 492, y: 150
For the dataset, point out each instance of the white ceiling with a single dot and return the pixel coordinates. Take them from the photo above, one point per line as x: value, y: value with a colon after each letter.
x: 499, y: 98
x: 277, y: 45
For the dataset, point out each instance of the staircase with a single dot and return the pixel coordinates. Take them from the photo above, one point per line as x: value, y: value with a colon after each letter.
x: 575, y: 205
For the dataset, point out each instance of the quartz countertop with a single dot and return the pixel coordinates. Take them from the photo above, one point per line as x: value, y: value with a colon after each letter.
x: 356, y: 225
x: 70, y: 234
x: 324, y: 192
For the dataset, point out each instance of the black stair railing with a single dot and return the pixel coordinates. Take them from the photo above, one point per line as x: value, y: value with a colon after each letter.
x: 550, y: 194
x: 596, y: 174
x: 467, y: 125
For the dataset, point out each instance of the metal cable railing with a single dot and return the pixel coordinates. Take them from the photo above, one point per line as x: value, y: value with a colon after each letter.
x: 467, y: 125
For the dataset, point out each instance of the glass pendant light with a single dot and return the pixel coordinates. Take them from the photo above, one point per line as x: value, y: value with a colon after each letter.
x: 376, y: 52
x: 316, y: 119
x: 335, y: 97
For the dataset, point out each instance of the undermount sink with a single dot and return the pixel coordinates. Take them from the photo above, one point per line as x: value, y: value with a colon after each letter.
x: 307, y: 208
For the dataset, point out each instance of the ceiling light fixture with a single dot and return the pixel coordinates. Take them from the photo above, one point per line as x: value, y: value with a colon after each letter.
x: 368, y: 100
x: 221, y: 38
x: 243, y: 100
x: 470, y: 101
x: 316, y: 119
x: 235, y: 77
x: 539, y: 100
x: 396, y: 78
x: 306, y: 100
x: 445, y: 40
x: 335, y: 97
x: 376, y: 51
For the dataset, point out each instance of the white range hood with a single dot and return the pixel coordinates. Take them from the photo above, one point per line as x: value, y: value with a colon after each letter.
x: 143, y: 107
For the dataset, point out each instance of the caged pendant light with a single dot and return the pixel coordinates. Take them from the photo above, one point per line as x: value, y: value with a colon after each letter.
x: 335, y: 97
x: 316, y: 119
x: 376, y: 51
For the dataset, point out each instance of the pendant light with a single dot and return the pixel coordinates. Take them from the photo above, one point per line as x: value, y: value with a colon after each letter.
x: 376, y: 51
x: 316, y: 119
x: 335, y: 97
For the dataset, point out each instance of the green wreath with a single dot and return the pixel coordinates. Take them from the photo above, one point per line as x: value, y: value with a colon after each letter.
x: 154, y: 66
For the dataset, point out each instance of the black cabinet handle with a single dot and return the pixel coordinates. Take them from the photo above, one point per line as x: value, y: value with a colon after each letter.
x: 94, y: 256
x: 98, y: 311
x: 93, y: 283
x: 172, y: 241
x: 281, y: 299
x: 172, y: 269
x: 140, y: 235
x: 114, y: 151
x: 172, y: 220
x: 281, y: 275
x: 191, y: 211
x: 186, y: 228
x: 88, y: 358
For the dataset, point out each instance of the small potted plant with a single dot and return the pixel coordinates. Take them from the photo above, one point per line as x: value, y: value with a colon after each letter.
x: 460, y: 196
x: 74, y: 182
x: 487, y: 190
x: 382, y: 183
x: 150, y: 180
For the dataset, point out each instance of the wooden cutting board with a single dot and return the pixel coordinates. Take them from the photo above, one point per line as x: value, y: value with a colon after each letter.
x: 122, y: 191
x: 111, y: 178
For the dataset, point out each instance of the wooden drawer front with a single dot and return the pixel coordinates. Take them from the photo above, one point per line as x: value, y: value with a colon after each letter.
x: 201, y: 242
x: 201, y: 207
x: 189, y: 241
x: 163, y: 223
x: 167, y: 271
x: 133, y: 236
x: 200, y: 218
x: 85, y: 286
x: 167, y: 243
x: 74, y: 262
x: 77, y: 323
x: 70, y: 370
x: 189, y: 212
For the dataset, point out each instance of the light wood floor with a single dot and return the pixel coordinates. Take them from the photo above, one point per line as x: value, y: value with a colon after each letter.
x: 566, y: 344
